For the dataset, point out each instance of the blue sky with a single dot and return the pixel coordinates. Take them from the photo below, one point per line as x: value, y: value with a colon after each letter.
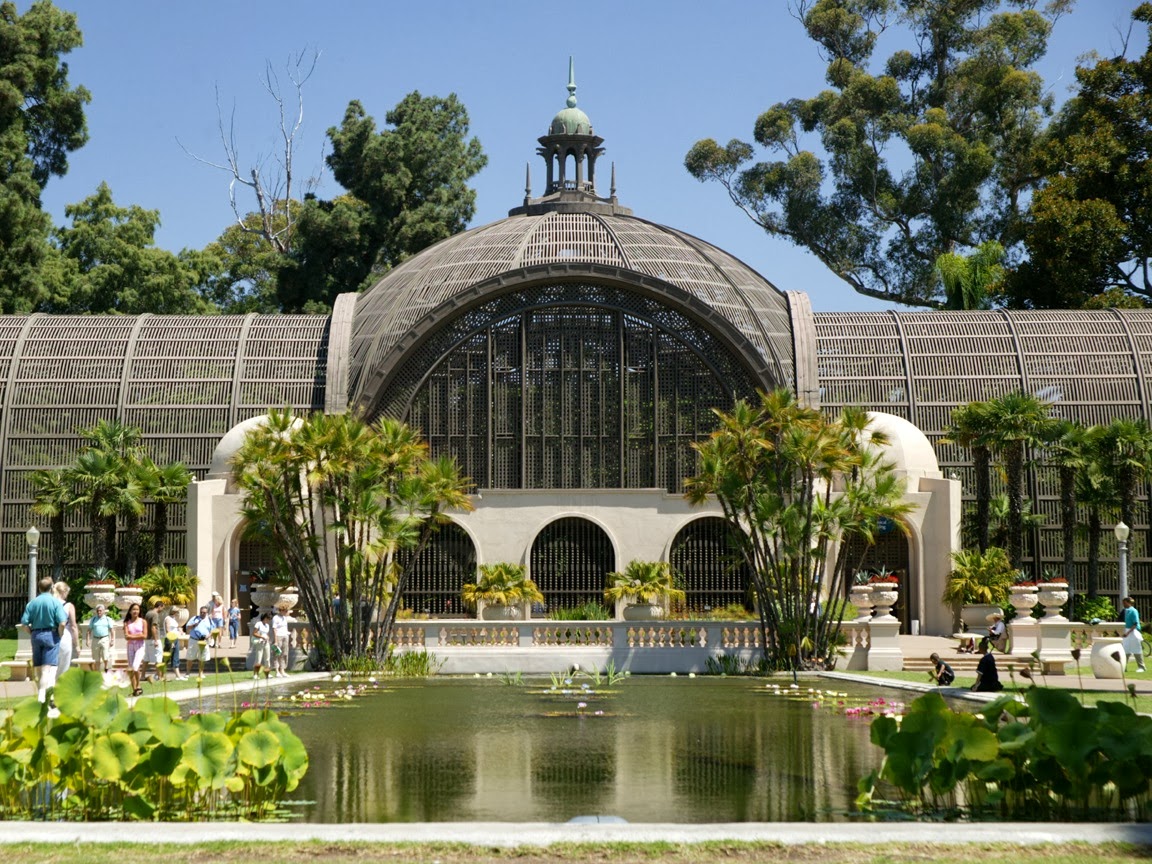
x: 653, y: 75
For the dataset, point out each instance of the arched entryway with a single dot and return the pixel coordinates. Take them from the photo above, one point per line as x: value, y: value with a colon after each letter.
x: 442, y: 568
x: 714, y: 574
x: 570, y: 561
x: 892, y: 552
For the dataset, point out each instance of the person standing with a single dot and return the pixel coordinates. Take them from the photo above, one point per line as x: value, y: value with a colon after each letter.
x: 45, y: 618
x: 1133, y: 638
x: 101, y: 638
x: 280, y: 641
x: 70, y: 638
x: 199, y: 629
x: 233, y: 622
x: 987, y: 676
x: 154, y: 650
x: 261, y: 650
x: 172, y: 642
x: 216, y: 612
x: 135, y: 635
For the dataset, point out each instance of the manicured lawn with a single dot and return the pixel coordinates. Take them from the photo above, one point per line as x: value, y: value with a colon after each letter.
x: 606, y: 853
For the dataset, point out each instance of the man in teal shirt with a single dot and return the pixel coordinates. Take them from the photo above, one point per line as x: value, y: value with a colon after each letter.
x: 1133, y: 639
x: 45, y: 617
x: 101, y: 635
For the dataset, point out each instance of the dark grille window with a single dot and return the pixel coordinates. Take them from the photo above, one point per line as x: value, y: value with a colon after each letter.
x: 571, y: 559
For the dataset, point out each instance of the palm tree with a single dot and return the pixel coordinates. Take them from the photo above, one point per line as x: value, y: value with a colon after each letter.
x: 1068, y: 450
x: 1126, y: 452
x: 970, y: 429
x: 94, y: 476
x: 1017, y: 421
x: 170, y: 486
x: 52, y: 497
x: 1096, y: 490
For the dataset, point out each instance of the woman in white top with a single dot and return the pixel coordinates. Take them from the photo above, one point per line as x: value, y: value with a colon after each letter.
x: 70, y: 640
x: 172, y: 633
x: 280, y: 641
x: 261, y: 650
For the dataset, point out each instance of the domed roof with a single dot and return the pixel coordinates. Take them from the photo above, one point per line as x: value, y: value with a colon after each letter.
x: 570, y: 121
x: 908, y: 449
x: 705, y: 282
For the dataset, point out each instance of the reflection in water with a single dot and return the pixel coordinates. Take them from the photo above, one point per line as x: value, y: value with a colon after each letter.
x: 702, y: 750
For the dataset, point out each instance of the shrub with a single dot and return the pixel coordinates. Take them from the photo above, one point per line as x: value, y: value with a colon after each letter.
x: 590, y: 611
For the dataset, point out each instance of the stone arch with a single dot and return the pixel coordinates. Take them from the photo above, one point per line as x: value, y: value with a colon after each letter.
x: 570, y: 559
x: 713, y: 573
x: 897, y: 551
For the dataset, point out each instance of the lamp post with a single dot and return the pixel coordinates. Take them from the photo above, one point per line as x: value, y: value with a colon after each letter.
x: 1121, y: 531
x: 32, y: 535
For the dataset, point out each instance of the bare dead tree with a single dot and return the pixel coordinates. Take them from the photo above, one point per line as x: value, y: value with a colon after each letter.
x: 270, y: 185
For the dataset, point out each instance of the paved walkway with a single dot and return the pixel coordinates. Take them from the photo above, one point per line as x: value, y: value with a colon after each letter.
x: 512, y: 834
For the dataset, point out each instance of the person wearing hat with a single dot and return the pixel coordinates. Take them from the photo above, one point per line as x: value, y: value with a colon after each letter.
x: 101, y: 637
x: 997, y: 632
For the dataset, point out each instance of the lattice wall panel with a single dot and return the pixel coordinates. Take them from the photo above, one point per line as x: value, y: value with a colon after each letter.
x: 1092, y: 367
x: 710, y: 568
x: 568, y: 387
x: 445, y: 564
x: 183, y: 380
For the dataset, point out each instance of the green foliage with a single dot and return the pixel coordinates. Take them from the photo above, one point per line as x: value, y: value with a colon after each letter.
x: 590, y: 611
x: 346, y: 506
x: 1087, y: 609
x: 41, y: 122
x: 769, y: 466
x: 971, y: 281
x: 103, y: 760
x: 643, y: 582
x: 413, y: 664
x: 920, y: 155
x: 980, y: 577
x: 407, y: 186
x: 1086, y: 231
x: 501, y: 584
x: 730, y: 664
x: 172, y: 586
x: 109, y: 262
x: 1046, y: 759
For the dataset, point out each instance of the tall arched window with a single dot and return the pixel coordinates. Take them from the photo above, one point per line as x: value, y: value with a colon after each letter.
x: 714, y: 573
x: 570, y: 561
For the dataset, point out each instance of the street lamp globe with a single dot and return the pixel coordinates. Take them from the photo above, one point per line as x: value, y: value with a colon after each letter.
x: 32, y: 535
x: 1122, y: 531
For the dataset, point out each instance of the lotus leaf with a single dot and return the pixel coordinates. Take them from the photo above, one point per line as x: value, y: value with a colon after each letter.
x: 30, y: 714
x: 208, y: 753
x: 80, y: 692
x: 169, y: 731
x: 113, y: 755
x: 163, y: 759
x: 259, y: 748
x: 208, y: 722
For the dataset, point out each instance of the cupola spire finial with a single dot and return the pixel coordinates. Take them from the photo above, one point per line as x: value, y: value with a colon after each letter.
x: 571, y: 82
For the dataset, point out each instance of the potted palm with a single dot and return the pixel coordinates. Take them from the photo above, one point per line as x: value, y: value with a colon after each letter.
x: 979, y: 584
x: 645, y: 586
x: 501, y: 591
x: 172, y: 586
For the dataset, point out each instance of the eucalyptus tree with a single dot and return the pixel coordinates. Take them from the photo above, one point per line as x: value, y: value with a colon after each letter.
x: 797, y: 488
x: 340, y: 501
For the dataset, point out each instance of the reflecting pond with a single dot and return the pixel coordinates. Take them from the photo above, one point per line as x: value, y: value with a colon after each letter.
x: 663, y: 750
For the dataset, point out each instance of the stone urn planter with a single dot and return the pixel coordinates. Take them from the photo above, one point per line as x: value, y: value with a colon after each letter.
x: 269, y: 598
x: 861, y: 597
x: 1023, y: 599
x: 499, y: 612
x: 1107, y: 658
x: 643, y: 611
x: 99, y: 594
x: 128, y: 595
x: 884, y: 595
x: 181, y: 615
x: 975, y: 616
x: 1052, y: 596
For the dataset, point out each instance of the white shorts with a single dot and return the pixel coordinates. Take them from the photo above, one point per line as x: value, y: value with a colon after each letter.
x: 153, y: 652
x: 198, y: 649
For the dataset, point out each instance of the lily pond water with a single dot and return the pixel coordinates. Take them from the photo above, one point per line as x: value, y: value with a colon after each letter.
x: 646, y: 749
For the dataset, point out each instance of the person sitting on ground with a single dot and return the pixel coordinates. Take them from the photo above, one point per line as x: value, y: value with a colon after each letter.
x: 199, y: 628
x: 997, y: 632
x: 942, y: 673
x: 987, y: 677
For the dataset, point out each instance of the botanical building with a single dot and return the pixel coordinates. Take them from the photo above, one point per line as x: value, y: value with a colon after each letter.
x: 568, y: 356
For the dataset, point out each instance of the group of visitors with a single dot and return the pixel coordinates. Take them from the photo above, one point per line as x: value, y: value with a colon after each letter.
x: 270, y: 644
